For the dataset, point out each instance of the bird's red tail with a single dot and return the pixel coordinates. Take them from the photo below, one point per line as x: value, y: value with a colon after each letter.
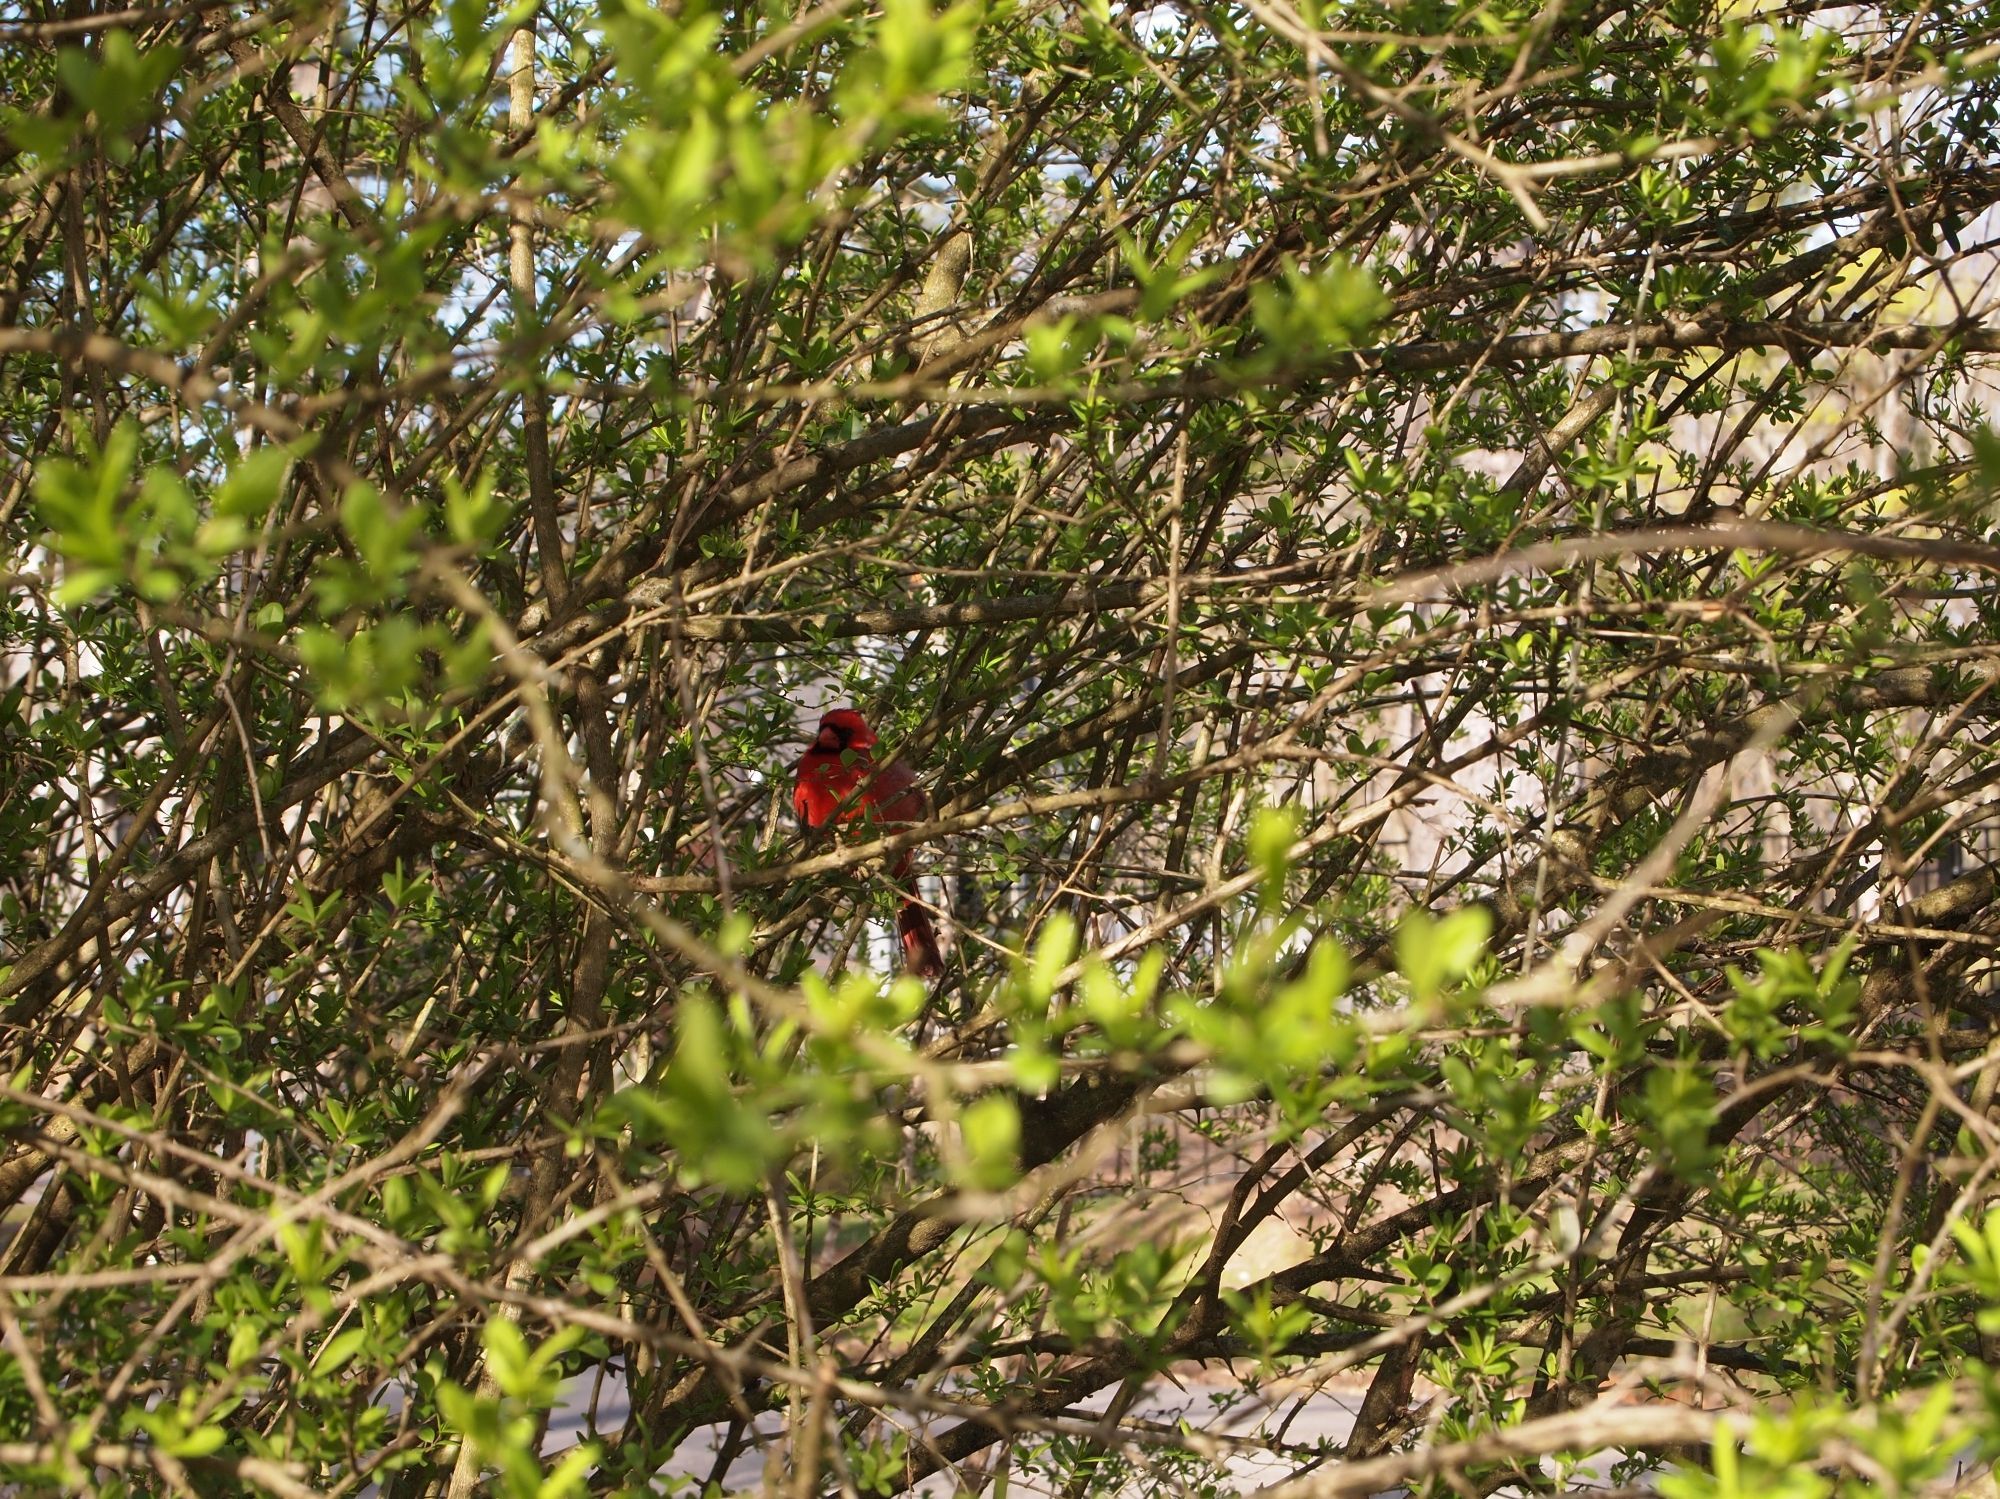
x: 920, y: 943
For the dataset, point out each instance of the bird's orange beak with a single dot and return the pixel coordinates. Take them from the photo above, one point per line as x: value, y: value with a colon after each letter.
x: 828, y: 739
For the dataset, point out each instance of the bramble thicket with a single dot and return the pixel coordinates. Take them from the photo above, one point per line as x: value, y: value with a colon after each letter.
x: 1435, y: 562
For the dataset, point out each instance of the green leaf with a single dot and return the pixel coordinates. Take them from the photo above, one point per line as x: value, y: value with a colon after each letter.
x: 991, y: 1128
x: 1434, y: 953
x: 338, y: 1349
x: 1273, y: 830
x: 1305, y: 313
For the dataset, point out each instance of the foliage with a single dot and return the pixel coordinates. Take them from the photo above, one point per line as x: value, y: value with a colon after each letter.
x: 1436, y: 561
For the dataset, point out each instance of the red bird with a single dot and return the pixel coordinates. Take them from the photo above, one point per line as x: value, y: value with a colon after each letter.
x: 830, y: 773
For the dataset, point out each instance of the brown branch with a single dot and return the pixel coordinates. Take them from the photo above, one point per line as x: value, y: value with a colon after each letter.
x: 1626, y: 1428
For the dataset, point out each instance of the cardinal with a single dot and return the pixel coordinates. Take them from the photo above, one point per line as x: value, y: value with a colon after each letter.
x: 831, y: 773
